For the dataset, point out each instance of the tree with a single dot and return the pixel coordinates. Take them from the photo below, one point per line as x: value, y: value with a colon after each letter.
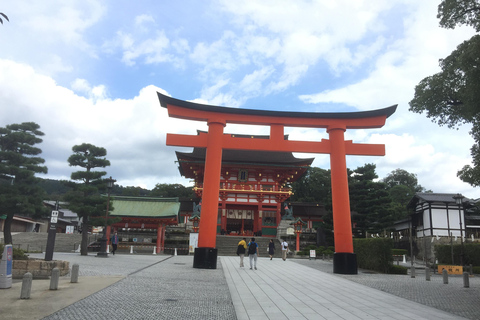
x: 404, y: 178
x: 4, y: 16
x: 19, y: 162
x: 369, y: 201
x: 451, y: 97
x: 85, y: 199
x: 402, y: 186
x: 314, y: 186
x: 172, y: 190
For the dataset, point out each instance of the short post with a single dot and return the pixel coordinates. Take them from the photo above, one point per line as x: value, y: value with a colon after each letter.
x: 466, y: 280
x: 74, y: 277
x: 26, y: 286
x: 175, y: 252
x: 54, y: 279
x: 154, y: 250
x: 412, y: 272
x: 131, y: 249
x: 427, y: 273
x: 445, y: 276
x: 404, y: 258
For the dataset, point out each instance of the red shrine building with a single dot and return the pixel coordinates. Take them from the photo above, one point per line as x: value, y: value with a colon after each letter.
x: 253, y: 186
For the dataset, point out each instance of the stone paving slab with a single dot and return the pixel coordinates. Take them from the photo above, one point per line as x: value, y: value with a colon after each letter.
x: 168, y: 289
x: 451, y: 297
x: 289, y: 290
x: 44, y: 301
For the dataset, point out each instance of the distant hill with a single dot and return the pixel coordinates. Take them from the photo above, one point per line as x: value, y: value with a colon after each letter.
x: 59, y: 188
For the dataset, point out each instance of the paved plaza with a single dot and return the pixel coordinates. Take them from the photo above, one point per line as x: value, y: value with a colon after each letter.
x: 168, y: 287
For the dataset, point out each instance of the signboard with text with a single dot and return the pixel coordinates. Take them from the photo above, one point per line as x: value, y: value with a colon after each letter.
x: 450, y: 269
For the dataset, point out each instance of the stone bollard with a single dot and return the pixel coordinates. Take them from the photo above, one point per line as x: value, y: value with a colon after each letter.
x: 74, y: 277
x: 412, y: 272
x: 26, y: 286
x: 131, y: 249
x: 445, y: 276
x: 54, y: 279
x: 427, y: 273
x: 175, y: 252
x: 154, y: 250
x: 466, y: 280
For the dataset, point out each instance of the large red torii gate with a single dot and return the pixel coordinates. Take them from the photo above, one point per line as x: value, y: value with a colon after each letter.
x: 215, y: 141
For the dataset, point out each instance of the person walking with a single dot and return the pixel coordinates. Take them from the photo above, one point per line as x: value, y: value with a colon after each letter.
x: 241, y: 248
x: 114, y: 242
x: 253, y: 253
x: 284, y: 250
x: 271, y: 248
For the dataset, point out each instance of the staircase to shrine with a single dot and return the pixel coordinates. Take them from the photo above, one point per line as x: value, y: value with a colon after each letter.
x: 227, y: 245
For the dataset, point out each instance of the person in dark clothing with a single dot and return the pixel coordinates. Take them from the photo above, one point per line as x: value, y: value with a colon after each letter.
x: 114, y: 243
x: 253, y: 253
x: 271, y: 248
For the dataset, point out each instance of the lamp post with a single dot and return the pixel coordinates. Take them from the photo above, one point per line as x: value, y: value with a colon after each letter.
x: 104, y: 241
x: 196, y: 222
x: 298, y: 225
x: 459, y: 201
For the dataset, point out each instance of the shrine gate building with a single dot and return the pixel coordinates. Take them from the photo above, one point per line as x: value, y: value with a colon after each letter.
x: 253, y: 186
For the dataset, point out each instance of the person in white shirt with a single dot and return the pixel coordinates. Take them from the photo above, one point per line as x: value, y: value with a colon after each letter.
x: 284, y: 250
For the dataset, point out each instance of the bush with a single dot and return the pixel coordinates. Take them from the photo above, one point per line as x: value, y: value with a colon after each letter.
x: 476, y: 270
x: 471, y: 251
x: 18, y: 254
x: 399, y: 252
x: 394, y: 269
x: 374, y: 254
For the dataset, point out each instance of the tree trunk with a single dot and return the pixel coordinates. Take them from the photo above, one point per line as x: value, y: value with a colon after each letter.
x: 7, y: 229
x: 85, y: 228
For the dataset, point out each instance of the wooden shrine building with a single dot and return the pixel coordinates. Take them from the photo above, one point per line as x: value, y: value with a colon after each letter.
x: 253, y: 186
x: 144, y: 215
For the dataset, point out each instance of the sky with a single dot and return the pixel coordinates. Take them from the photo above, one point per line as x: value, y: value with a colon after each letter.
x: 88, y: 71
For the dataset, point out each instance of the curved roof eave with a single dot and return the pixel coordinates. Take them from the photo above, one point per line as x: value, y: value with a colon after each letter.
x: 165, y: 100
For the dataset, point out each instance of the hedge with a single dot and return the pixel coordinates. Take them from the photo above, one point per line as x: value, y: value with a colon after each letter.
x: 471, y: 253
x: 374, y: 254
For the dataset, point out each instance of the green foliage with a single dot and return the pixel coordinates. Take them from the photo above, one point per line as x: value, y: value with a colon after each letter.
x: 367, y: 200
x: 4, y: 16
x: 401, y: 177
x: 476, y: 270
x: 313, y: 186
x: 374, y: 254
x: 85, y: 199
x: 18, y: 254
x: 451, y: 97
x: 394, y: 269
x: 19, y: 162
x: 399, y: 252
x: 172, y: 190
x: 471, y: 254
x: 453, y: 13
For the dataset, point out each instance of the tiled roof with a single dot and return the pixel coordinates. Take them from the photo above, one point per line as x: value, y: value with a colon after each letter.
x: 145, y: 207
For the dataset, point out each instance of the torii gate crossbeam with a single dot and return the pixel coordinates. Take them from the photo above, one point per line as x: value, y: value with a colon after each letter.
x: 215, y: 141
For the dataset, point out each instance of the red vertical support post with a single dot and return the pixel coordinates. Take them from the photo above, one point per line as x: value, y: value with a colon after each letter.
x: 108, y: 236
x: 159, y: 238
x: 205, y: 256
x: 344, y: 260
x: 297, y: 247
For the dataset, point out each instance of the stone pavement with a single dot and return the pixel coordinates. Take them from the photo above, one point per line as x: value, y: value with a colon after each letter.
x: 168, y: 287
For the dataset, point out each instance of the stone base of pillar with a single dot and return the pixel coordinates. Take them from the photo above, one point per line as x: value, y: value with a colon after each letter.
x: 205, y: 258
x: 345, y: 263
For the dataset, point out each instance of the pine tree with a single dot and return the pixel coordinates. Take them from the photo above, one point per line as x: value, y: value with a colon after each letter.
x: 19, y: 162
x: 86, y: 200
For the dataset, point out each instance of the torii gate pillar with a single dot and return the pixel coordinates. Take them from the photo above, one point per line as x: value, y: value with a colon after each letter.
x: 215, y: 141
